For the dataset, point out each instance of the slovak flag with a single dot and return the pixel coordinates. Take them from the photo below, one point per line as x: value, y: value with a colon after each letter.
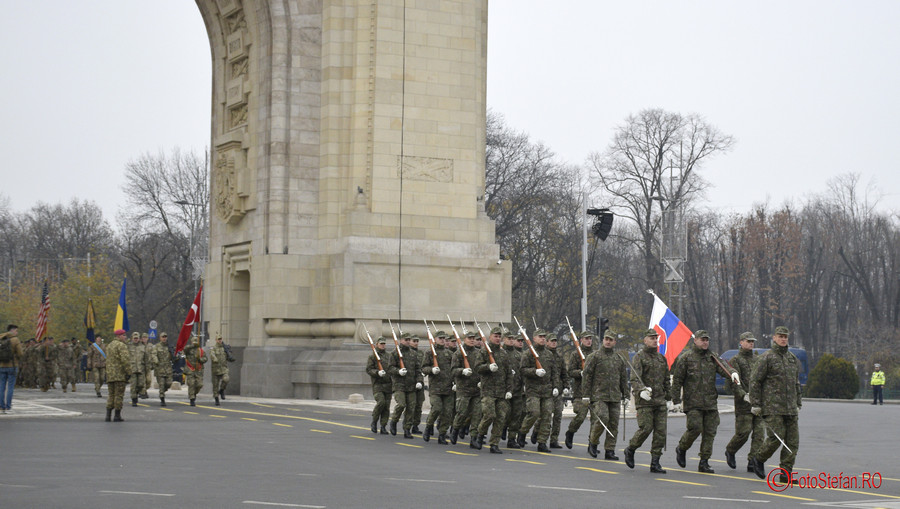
x: 673, y: 334
x: 192, y: 317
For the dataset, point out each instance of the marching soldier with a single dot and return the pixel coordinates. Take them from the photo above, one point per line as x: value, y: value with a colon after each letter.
x: 406, y: 374
x: 513, y: 348
x: 420, y: 393
x: 574, y: 367
x: 381, y: 386
x: 194, y: 359
x: 137, y: 351
x: 161, y: 359
x: 775, y: 395
x: 652, y: 396
x: 605, y: 384
x: 694, y: 372
x: 556, y: 419
x: 541, y: 386
x: 65, y: 365
x: 452, y: 347
x: 220, y: 359
x: 148, y: 365
x: 97, y: 364
x: 744, y: 421
x: 496, y: 391
x: 118, y: 369
x: 440, y: 391
x: 467, y: 391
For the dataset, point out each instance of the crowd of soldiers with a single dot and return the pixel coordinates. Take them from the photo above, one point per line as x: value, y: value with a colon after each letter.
x: 512, y: 385
x: 45, y: 362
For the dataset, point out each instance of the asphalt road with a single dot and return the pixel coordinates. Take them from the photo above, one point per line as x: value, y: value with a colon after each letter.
x: 280, y: 453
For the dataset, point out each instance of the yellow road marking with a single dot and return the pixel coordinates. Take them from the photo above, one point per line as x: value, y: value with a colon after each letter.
x: 260, y: 404
x: 409, y: 445
x: 285, y: 416
x: 364, y: 438
x: 683, y: 482
x: 321, y: 412
x: 192, y: 413
x: 783, y: 496
x: 596, y: 470
x: 249, y: 419
x: 283, y: 425
x: 461, y: 453
x: 167, y: 409
x: 320, y: 431
x: 526, y: 461
x: 219, y: 416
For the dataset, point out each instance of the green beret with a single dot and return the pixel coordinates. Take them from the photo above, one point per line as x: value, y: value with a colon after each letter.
x: 782, y: 330
x: 701, y: 334
x: 747, y: 336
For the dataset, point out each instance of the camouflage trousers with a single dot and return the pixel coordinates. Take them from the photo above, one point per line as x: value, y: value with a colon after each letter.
x: 515, y: 415
x: 46, y: 375
x: 382, y: 410
x: 700, y: 422
x: 164, y: 382
x: 494, y: 412
x: 451, y: 402
x: 116, y: 395
x: 788, y: 428
x: 537, y: 413
x: 148, y: 381
x: 66, y: 377
x: 194, y: 382
x: 219, y: 383
x: 137, y: 385
x: 99, y: 377
x: 608, y: 412
x: 465, y: 408
x: 581, y: 410
x: 650, y: 419
x: 744, y: 425
x: 556, y: 419
x: 420, y: 401
x: 405, y: 404
x: 441, y: 406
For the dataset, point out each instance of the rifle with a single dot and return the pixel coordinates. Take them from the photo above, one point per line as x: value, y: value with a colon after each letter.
x: 374, y: 350
x: 537, y: 362
x: 719, y: 362
x: 460, y: 341
x: 397, y: 344
x: 487, y: 345
x: 431, y: 342
x: 575, y: 341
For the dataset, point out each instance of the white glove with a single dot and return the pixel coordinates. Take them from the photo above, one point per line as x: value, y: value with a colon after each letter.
x: 418, y: 385
x: 756, y: 410
x: 435, y: 370
x: 747, y: 398
x: 467, y: 371
x: 403, y: 371
x: 670, y: 406
x: 735, y: 378
x: 513, y: 372
x: 453, y: 388
x: 479, y: 385
x: 645, y: 394
x: 508, y: 395
x: 586, y: 401
x: 540, y: 372
x: 555, y: 392
x: 494, y: 367
x: 381, y: 373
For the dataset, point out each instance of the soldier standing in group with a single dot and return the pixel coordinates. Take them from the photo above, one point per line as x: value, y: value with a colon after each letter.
x: 775, y: 395
x: 451, y: 347
x: 406, y: 374
x: 420, y: 393
x: 560, y: 363
x: 604, y: 382
x: 138, y: 352
x: 575, y: 367
x: 194, y: 359
x: 97, y: 364
x: 47, y: 364
x: 541, y: 386
x: 512, y: 347
x: 467, y: 391
x: 219, y: 357
x: 440, y: 391
x: 65, y: 363
x: 694, y: 372
x: 381, y: 386
x: 652, y: 396
x: 118, y: 369
x: 30, y: 365
x: 148, y: 365
x: 744, y: 421
x: 161, y: 360
x: 496, y: 391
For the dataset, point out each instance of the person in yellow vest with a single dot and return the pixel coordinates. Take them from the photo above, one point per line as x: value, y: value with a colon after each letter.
x: 878, y: 385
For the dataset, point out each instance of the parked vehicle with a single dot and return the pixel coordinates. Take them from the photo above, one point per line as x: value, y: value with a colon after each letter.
x: 799, y: 352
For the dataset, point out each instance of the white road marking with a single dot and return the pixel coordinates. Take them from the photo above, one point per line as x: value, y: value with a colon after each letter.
x: 419, y: 480
x: 563, y: 488
x: 256, y: 502
x: 731, y: 500
x: 137, y: 493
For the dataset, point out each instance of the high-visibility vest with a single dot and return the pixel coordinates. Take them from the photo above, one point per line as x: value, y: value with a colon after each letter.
x: 878, y: 378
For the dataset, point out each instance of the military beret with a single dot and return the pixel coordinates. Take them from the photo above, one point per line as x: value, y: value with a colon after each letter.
x: 120, y: 332
x: 587, y: 334
x: 381, y: 340
x: 701, y: 334
x: 782, y: 330
x: 651, y: 332
x: 609, y: 334
x: 747, y: 336
x: 496, y: 330
x: 540, y: 332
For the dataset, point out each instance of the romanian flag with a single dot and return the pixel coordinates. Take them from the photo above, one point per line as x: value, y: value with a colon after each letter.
x: 122, y: 311
x: 193, y: 317
x: 673, y: 333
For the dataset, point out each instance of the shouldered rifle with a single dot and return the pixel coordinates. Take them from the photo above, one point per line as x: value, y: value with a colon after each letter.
x: 537, y: 362
x: 397, y: 344
x: 575, y: 341
x: 431, y: 342
x: 459, y: 340
x: 487, y: 345
x: 374, y: 350
x: 729, y: 371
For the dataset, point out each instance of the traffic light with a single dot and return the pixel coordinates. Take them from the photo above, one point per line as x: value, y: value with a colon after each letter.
x: 602, y: 327
x: 603, y: 224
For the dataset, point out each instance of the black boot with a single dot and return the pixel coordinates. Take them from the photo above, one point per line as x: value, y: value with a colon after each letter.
x: 118, y: 417
x: 109, y: 414
x: 99, y: 395
x: 464, y: 431
x: 704, y: 467
x: 554, y: 444
x: 521, y: 440
x: 611, y: 455
x: 534, y: 436
x: 393, y: 427
x: 592, y: 450
x: 454, y: 435
x: 429, y: 430
x: 474, y: 443
x: 679, y: 457
x: 416, y: 430
x: 133, y: 401
x: 374, y: 426
x: 729, y: 458
x: 751, y: 465
x: 783, y: 479
x: 217, y: 400
x: 222, y: 394
x: 162, y: 401
x: 503, y: 435
x: 629, y: 458
x: 512, y: 443
x: 655, y: 467
x: 442, y: 439
x: 407, y: 433
x: 542, y: 447
x: 496, y: 450
x: 570, y: 435
x: 193, y: 402
x: 759, y: 468
x: 384, y: 430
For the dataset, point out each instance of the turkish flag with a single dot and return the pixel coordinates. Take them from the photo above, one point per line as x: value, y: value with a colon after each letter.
x: 192, y: 317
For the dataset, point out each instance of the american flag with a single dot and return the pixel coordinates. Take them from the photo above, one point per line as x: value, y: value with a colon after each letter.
x: 44, y: 315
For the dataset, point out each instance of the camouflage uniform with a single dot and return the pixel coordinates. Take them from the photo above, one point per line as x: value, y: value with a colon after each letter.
x: 381, y: 388
x: 605, y: 382
x: 420, y: 393
x: 538, y: 394
x: 30, y: 365
x: 148, y: 366
x: 405, y: 388
x: 517, y: 403
x: 556, y: 419
x: 775, y: 388
x: 161, y: 360
x: 650, y: 370
x: 118, y: 369
x: 46, y: 365
x: 219, y: 359
x: 439, y: 391
x: 495, y: 385
x: 467, y: 391
x: 195, y: 358
x: 745, y: 422
x: 97, y: 365
x: 138, y: 352
x: 695, y: 373
x: 574, y: 367
x: 65, y: 365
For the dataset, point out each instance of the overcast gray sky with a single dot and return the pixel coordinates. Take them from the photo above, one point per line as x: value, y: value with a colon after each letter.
x: 809, y: 88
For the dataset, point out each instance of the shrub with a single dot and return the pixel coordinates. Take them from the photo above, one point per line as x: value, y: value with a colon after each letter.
x: 833, y: 378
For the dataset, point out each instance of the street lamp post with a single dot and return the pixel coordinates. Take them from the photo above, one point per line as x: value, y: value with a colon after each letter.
x: 198, y: 263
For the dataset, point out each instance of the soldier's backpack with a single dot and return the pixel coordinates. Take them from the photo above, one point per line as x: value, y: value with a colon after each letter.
x: 6, y: 352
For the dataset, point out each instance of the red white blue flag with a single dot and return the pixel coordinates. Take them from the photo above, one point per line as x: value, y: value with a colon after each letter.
x: 673, y: 333
x: 193, y: 317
